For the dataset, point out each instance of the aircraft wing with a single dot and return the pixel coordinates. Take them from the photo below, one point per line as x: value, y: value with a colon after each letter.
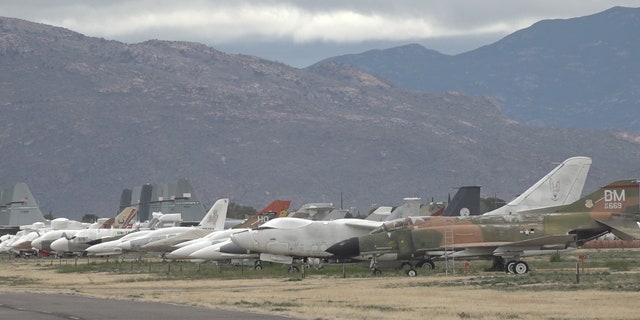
x: 361, y: 224
x: 551, y: 242
x: 542, y: 241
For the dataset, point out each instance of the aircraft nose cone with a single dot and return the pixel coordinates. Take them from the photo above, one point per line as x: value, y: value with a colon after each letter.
x: 60, y: 245
x: 186, y: 251
x: 37, y: 243
x: 243, y: 240
x: 345, y: 248
x: 232, y: 248
x: 94, y: 248
x: 208, y: 253
x: 125, y: 245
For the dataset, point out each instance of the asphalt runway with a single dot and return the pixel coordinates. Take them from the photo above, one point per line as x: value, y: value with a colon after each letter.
x: 60, y: 306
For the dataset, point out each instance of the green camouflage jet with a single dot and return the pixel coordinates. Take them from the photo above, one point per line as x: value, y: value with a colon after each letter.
x: 506, y: 237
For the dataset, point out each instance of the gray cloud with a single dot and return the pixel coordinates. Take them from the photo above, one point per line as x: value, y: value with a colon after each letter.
x: 299, y: 23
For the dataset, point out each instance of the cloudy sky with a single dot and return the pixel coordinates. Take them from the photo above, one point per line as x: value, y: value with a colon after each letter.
x: 300, y: 33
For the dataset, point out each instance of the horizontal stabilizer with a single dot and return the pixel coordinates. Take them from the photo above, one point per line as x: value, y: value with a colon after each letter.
x: 628, y: 231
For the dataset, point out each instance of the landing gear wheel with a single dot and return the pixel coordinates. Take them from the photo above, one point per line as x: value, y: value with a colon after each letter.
x: 521, y: 267
x: 509, y: 268
x: 426, y: 264
x: 376, y: 272
x: 293, y: 269
x: 258, y: 266
x: 412, y: 272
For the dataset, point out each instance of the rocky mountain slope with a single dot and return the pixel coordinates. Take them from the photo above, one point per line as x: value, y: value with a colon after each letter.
x: 83, y: 118
x: 581, y: 72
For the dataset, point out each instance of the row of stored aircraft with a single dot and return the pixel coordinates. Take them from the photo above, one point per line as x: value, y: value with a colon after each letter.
x: 548, y: 217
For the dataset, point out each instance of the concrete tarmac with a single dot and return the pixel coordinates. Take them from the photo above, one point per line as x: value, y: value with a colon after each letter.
x: 60, y: 306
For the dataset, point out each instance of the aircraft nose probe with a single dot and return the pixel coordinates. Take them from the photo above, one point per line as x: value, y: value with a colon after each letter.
x: 345, y: 248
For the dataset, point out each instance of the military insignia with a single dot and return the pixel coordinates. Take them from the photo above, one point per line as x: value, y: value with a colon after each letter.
x: 589, y: 203
x: 555, y: 189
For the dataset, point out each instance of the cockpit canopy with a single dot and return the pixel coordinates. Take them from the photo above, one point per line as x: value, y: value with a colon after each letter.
x: 397, y: 224
x: 285, y: 223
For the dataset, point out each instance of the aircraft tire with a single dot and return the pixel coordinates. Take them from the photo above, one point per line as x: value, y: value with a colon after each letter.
x: 426, y: 264
x: 510, y: 266
x: 412, y: 272
x: 520, y: 267
x: 376, y: 272
x: 293, y: 269
x: 258, y: 267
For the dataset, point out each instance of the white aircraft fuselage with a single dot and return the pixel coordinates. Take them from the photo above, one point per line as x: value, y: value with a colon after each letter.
x: 294, y: 237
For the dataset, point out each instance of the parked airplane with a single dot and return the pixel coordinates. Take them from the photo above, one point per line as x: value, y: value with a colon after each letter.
x: 507, y: 237
x: 285, y: 239
x: 20, y: 243
x: 291, y: 238
x: 276, y: 209
x: 281, y: 240
x: 112, y: 248
x: 158, y: 221
x: 88, y: 237
x: 155, y: 241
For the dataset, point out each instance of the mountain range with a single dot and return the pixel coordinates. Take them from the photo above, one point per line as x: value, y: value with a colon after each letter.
x: 581, y: 72
x: 84, y: 117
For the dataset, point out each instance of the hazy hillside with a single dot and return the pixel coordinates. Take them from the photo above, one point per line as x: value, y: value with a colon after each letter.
x: 83, y: 118
x: 581, y: 73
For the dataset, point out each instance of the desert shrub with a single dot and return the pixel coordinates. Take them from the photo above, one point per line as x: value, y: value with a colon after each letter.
x: 556, y: 257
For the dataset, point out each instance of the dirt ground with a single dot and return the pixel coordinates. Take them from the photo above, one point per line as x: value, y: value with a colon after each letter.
x: 318, y: 297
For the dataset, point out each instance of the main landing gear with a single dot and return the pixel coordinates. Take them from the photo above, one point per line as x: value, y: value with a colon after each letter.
x: 516, y: 267
x: 512, y: 267
x: 426, y: 264
x: 293, y: 269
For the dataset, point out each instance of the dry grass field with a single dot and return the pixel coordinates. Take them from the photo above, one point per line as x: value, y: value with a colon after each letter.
x: 609, y: 288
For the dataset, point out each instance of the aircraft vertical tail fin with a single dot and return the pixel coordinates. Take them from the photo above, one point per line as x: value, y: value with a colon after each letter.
x: 622, y: 196
x: 216, y: 216
x: 561, y: 186
x: 465, y: 202
x: 122, y: 220
x: 380, y: 214
x: 125, y: 198
x: 280, y: 207
x: 19, y: 207
x: 276, y: 209
x: 411, y: 208
x: 125, y: 218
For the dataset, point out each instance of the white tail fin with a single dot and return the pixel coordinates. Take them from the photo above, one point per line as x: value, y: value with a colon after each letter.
x: 124, y: 219
x: 380, y: 214
x: 562, y: 186
x: 410, y: 208
x: 216, y: 216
